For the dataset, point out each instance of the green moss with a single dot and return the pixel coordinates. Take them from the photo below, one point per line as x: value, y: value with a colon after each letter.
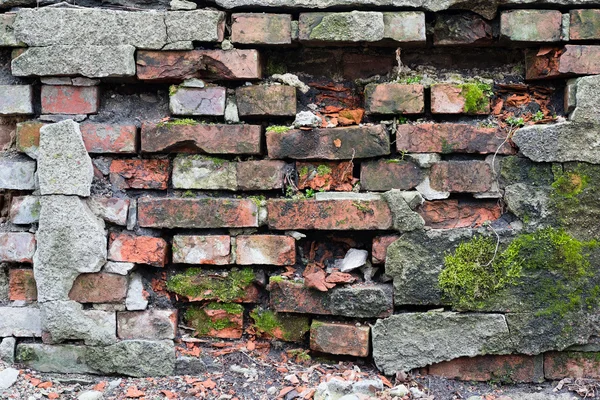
x: 303, y: 171
x: 301, y: 355
x: 177, y: 122
x: 274, y: 67
x: 265, y: 321
x: 476, y: 95
x: 409, y: 80
x: 258, y: 200
x: 194, y: 283
x: 447, y: 148
x: 570, y: 184
x: 215, y: 160
x: 278, y: 129
x: 188, y: 194
x: 25, y: 354
x: 197, y: 318
x: 360, y: 206
x: 323, y: 170
x: 276, y: 279
x: 173, y: 89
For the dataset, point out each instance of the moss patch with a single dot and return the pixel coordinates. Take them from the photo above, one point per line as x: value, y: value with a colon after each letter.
x: 194, y: 283
x: 278, y: 129
x: 197, y: 318
x: 283, y: 326
x: 476, y: 95
x: 177, y: 122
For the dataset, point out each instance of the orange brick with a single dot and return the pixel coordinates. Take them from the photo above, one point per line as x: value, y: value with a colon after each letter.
x: 139, y: 174
x: 22, y: 285
x: 69, y: 99
x: 99, y: 288
x: 448, y: 214
x: 509, y: 368
x: 137, y: 249
x: 342, y: 339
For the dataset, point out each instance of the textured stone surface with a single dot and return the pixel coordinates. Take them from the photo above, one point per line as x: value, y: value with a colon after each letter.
x: 113, y: 210
x: 67, y: 320
x: 451, y: 99
x: 415, y: 268
x: 394, y: 98
x: 267, y: 100
x: 197, y: 25
x: 255, y: 28
x: 406, y: 341
x: 7, y: 33
x: 136, y: 299
x: 17, y: 247
x: 16, y: 99
x: 355, y: 26
x: 120, y: 268
x: 587, y: 90
x: 25, y: 210
x: 71, y: 240
x: 195, y: 101
x: 198, y: 172
x: 265, y: 250
x: 109, y: 138
x: 329, y: 144
x: 462, y: 29
x: 213, y: 250
x: 584, y: 25
x: 405, y: 27
x: 64, y: 166
x: 150, y: 324
x: 531, y: 25
x: 20, y: 322
x: 261, y: 175
x: 89, y: 61
x: 7, y: 350
x: 461, y: 176
x: 404, y: 219
x: 567, y: 141
x: 136, y: 358
x: 66, y: 359
x: 17, y: 173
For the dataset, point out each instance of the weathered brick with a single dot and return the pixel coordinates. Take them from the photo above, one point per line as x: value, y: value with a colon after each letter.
x: 585, y: 25
x: 199, y: 284
x: 28, y: 137
x: 509, y: 368
x: 394, y: 98
x: 250, y: 28
x: 17, y: 247
x: 260, y: 175
x: 364, y: 301
x: 21, y: 285
x: 208, y: 64
x: 326, y: 176
x: 7, y: 33
x: 25, y: 210
x: 265, y: 250
x: 328, y: 214
x: 461, y: 176
x: 69, y: 99
x: 266, y: 100
x: 110, y: 209
x: 150, y: 324
x: 405, y: 27
x: 198, y: 101
x: 197, y: 213
x: 211, y: 250
x: 449, y: 214
x: 451, y: 138
x: 108, y: 138
x: 20, y: 322
x: 137, y: 249
x: 571, y: 364
x: 139, y: 174
x: 16, y: 99
x: 339, y: 338
x: 456, y: 99
x: 462, y: 29
x: 225, y: 321
x: 384, y: 175
x: 358, y: 65
x: 531, y: 25
x: 282, y: 326
x: 329, y: 144
x: 211, y: 139
x: 560, y: 62
x: 99, y: 288
x: 380, y: 245
x: 7, y: 131
x: 207, y: 173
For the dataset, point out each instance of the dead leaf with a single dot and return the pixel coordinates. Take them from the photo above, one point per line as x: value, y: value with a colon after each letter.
x: 340, y: 277
x: 337, y: 143
x: 134, y: 393
x: 209, y: 384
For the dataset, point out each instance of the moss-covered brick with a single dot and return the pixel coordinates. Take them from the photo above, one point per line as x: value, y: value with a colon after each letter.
x: 282, y: 326
x: 222, y: 320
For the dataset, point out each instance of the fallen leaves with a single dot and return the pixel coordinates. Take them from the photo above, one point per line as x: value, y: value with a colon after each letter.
x: 134, y: 393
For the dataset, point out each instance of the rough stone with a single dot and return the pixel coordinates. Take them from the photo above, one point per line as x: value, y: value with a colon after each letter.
x: 182, y: 5
x: 265, y: 250
x: 71, y: 240
x: 261, y: 175
x: 17, y: 247
x: 415, y: 268
x: 383, y: 175
x: 566, y: 141
x: 65, y: 359
x: 355, y: 26
x: 405, y: 27
x: 137, y: 358
x: 20, y: 322
x: 64, y: 166
x: 394, y: 98
x: 266, y: 100
x: 404, y: 219
x: 7, y: 33
x: 136, y: 301
x: 197, y: 172
x: 151, y: 324
x: 8, y: 377
x: 256, y: 28
x: 406, y: 341
x: 462, y: 29
x: 16, y: 100
x: 193, y: 101
x: 7, y: 350
x: 67, y: 320
x: 584, y: 24
x: 113, y: 210
x: 587, y: 109
x: 531, y: 25
x: 89, y: 61
x: 17, y: 173
x: 119, y: 268
x: 198, y: 26
x: 307, y: 119
x: 428, y: 193
x: 25, y: 210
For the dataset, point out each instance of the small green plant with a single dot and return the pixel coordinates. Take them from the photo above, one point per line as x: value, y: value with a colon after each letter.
x: 323, y: 170
x: 177, y: 122
x: 362, y: 207
x: 515, y: 122
x: 173, y: 89
x: 476, y: 95
x: 258, y: 200
x: 402, y: 120
x: 538, y: 116
x: 409, y: 80
x: 278, y: 129
x: 310, y: 193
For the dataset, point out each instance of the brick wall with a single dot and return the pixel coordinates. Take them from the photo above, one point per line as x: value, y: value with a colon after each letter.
x: 313, y: 176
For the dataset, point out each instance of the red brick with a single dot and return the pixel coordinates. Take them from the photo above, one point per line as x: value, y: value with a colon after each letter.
x: 346, y: 143
x: 22, y: 285
x: 137, y: 249
x: 99, y: 288
x: 451, y: 138
x: 384, y: 175
x: 287, y: 327
x: 338, y: 338
x: 197, y: 213
x: 394, y: 98
x: 560, y: 62
x: 585, y: 25
x: 559, y: 365
x: 461, y: 177
x: 450, y: 99
x: 266, y: 100
x: 108, y: 138
x: 329, y: 214
x: 531, y: 25
x: 225, y: 321
x: 198, y: 101
x: 509, y: 368
x: 139, y: 174
x: 337, y: 176
x: 448, y: 214
x: 380, y: 245
x: 265, y: 250
x: 261, y: 175
x: 69, y: 99
x: 249, y: 28
x: 149, y: 324
x: 206, y: 64
x: 211, y: 250
x: 462, y: 29
x: 17, y: 247
x: 361, y: 301
x: 211, y: 139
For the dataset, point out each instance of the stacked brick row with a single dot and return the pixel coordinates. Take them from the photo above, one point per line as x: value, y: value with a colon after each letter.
x: 209, y: 187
